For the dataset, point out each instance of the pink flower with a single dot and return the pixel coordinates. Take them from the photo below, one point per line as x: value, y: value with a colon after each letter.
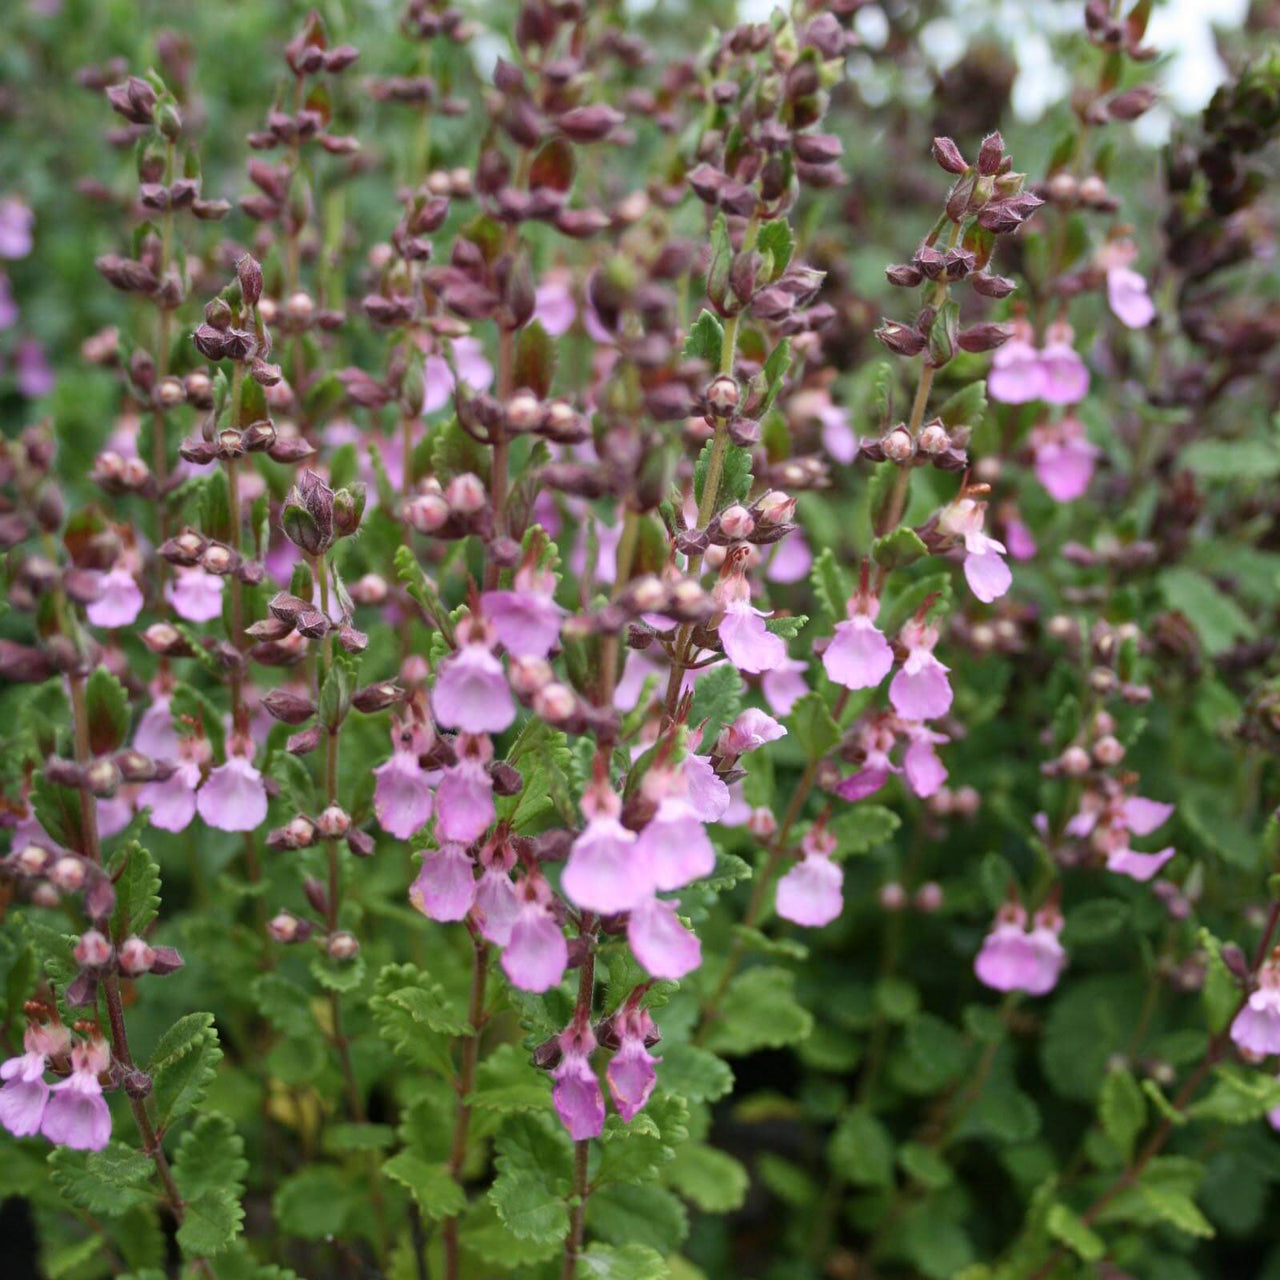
x: 809, y: 894
x: 1137, y: 866
x: 1257, y: 1026
x: 660, y: 942
x: 471, y: 692
x: 402, y: 794
x: 446, y: 887
x: 1128, y: 298
x: 751, y: 730
x: 76, y: 1114
x: 196, y: 595
x: 924, y: 771
x: 114, y: 814
x: 984, y: 568
x: 33, y: 374
x: 234, y: 797
x: 1143, y: 816
x: 785, y: 685
x: 631, y: 1073
x: 527, y: 619
x: 1064, y: 376
x: 25, y: 1093
x: 497, y: 904
x: 748, y: 642
x: 536, y: 954
x: 577, y: 1096
x: 473, y: 369
x: 1013, y: 959
x: 16, y: 223
x: 673, y: 847
x: 1016, y: 375
x: 1021, y: 541
x: 920, y: 690
x: 173, y: 801
x: 876, y: 739
x: 1064, y: 459
x: 554, y: 307
x: 707, y: 792
x: 859, y: 656
x: 120, y: 601
x: 464, y: 801
x: 155, y: 735
x: 791, y: 559
x: 605, y: 871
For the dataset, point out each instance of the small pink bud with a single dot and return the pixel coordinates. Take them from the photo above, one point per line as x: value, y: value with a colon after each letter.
x: 1108, y: 750
x: 466, y: 494
x: 283, y: 927
x: 722, y: 396
x: 66, y: 873
x: 893, y: 897
x: 343, y: 946
x: 1075, y: 762
x: 427, y: 512
x: 736, y: 522
x: 775, y: 507
x: 555, y: 702
x: 929, y: 897
x: 136, y: 957
x: 93, y: 950
x: 32, y: 859
x: 762, y: 824
x: 898, y: 445
x: 334, y: 823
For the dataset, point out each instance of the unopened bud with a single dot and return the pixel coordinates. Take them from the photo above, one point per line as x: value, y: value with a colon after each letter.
x: 67, y: 873
x: 1108, y: 751
x: 93, y: 950
x: 898, y: 445
x: 466, y: 494
x: 722, y: 396
x: 1074, y: 762
x: 343, y: 946
x: 334, y: 823
x: 136, y: 956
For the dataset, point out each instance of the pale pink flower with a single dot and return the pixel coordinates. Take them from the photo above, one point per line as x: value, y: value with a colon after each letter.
x: 1064, y: 458
x: 76, y: 1114
x: 120, y: 601
x: 810, y: 892
x: 1016, y: 375
x: 471, y: 692
x: 196, y: 596
x: 536, y: 954
x: 605, y: 871
x: 673, y: 847
x: 445, y: 888
x: 16, y: 223
x: 25, y: 1093
x: 859, y: 656
x: 920, y: 690
x: 234, y: 796
x: 1065, y: 377
x: 1128, y: 298
x: 173, y: 801
x: 660, y: 942
x: 464, y: 801
x: 578, y: 1099
x: 631, y: 1074
x: 402, y: 794
x: 785, y: 685
x: 1257, y: 1026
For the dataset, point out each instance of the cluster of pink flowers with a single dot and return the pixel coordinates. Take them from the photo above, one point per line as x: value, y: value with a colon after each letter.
x: 73, y: 1112
x: 1015, y: 957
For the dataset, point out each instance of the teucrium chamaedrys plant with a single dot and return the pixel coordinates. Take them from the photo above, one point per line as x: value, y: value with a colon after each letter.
x: 620, y: 774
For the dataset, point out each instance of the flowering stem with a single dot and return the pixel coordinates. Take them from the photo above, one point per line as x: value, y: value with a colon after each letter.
x: 581, y: 1149
x: 111, y: 984
x: 759, y: 893
x: 466, y: 1084
x: 1155, y: 1144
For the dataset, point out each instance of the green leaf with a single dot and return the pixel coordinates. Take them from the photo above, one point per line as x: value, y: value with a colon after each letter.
x: 831, y: 585
x: 695, y: 1073
x: 1177, y: 1209
x: 812, y: 724
x: 210, y: 1159
x: 898, y: 549
x: 137, y: 879
x: 1218, y: 620
x: 315, y: 1203
x: 533, y: 1158
x: 717, y: 698
x: 187, y: 702
x: 107, y: 710
x: 107, y: 1182
x: 1069, y: 1228
x: 215, y: 507
x: 1095, y: 921
x: 183, y: 1066
x: 924, y: 1166
x: 646, y: 1215
x: 788, y: 627
x: 705, y: 340
x: 710, y: 1179
x: 625, y: 1262
x: 861, y: 1150
x: 437, y: 1195
x: 967, y: 407
x: 933, y: 1054
x: 535, y: 362
x: 210, y: 1223
x: 774, y: 373
x: 508, y: 1082
x: 1122, y: 1110
x: 775, y: 239
x: 863, y: 827
x: 1237, y: 1097
x: 1252, y: 461
x: 415, y: 1017
x: 901, y: 607
x: 759, y: 1011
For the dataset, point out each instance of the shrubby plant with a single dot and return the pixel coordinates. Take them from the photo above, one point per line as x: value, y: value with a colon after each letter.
x: 629, y: 661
